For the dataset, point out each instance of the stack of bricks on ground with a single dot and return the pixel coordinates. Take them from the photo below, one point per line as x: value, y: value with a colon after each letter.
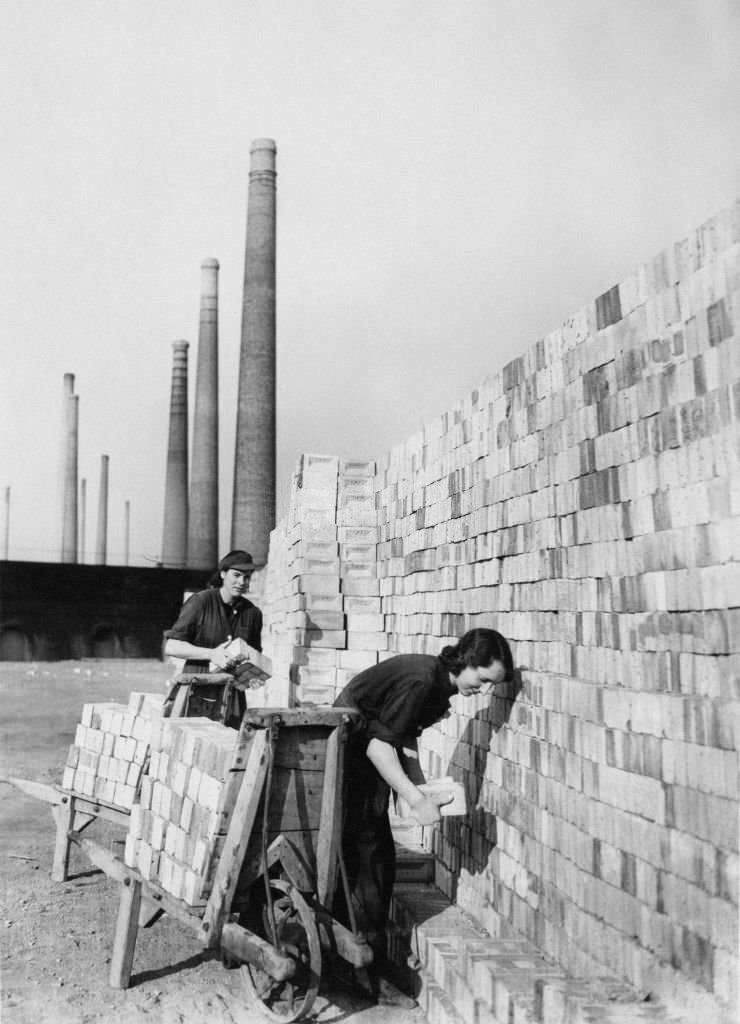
x: 322, y: 588
x: 585, y: 501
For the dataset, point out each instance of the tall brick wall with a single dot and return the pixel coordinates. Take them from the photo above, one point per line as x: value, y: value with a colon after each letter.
x: 585, y: 501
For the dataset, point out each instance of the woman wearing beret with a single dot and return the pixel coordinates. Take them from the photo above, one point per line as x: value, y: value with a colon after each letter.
x: 211, y: 618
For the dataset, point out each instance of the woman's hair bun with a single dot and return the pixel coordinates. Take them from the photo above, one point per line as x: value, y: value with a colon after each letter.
x: 450, y: 658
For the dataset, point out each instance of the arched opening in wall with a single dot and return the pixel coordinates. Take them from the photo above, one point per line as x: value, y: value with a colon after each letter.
x: 104, y: 643
x: 131, y: 647
x: 15, y: 643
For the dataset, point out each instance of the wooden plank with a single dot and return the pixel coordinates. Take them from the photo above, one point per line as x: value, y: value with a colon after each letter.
x: 169, y: 904
x: 293, y: 864
x: 56, y: 795
x: 295, y: 800
x: 203, y: 678
x: 330, y: 823
x: 303, y: 847
x: 180, y: 701
x: 98, y: 809
x: 38, y: 790
x: 114, y: 867
x: 229, y: 793
x: 300, y: 716
x: 240, y: 829
x: 82, y: 820
x: 303, y: 748
x: 104, y: 859
x: 353, y: 948
x: 244, y: 945
x: 149, y: 913
x: 127, y: 928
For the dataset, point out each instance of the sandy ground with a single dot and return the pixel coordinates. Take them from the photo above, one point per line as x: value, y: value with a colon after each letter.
x: 57, y: 937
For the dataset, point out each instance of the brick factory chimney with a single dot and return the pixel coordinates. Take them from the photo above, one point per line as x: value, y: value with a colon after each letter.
x: 83, y: 520
x: 101, y: 540
x: 68, y: 389
x: 69, y: 495
x: 175, y: 534
x: 253, y: 510
x: 6, y: 541
x: 126, y: 532
x: 203, y: 516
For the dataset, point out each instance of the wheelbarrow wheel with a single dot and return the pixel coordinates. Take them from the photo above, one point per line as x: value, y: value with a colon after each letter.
x: 297, y: 936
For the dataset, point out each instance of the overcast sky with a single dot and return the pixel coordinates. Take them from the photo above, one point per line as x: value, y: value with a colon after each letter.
x: 454, y: 180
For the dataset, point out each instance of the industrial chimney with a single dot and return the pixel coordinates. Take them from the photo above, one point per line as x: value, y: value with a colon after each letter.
x: 69, y: 484
x: 101, y: 539
x: 203, y: 513
x: 175, y: 534
x: 253, y: 510
x: 6, y: 542
x: 83, y: 520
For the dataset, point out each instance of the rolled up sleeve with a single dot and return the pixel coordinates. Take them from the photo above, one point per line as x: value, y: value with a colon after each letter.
x: 398, y: 720
x: 186, y: 625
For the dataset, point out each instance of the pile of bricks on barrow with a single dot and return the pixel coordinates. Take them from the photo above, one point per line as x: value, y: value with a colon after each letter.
x: 170, y: 775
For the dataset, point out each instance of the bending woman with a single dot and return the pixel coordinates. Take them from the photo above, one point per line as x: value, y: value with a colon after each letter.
x: 398, y: 699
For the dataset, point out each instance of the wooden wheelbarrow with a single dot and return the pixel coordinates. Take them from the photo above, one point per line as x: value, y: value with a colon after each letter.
x: 276, y: 870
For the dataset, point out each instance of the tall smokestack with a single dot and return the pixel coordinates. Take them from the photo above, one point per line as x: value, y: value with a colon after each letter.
x: 68, y: 389
x: 253, y: 511
x: 101, y: 541
x: 69, y: 516
x: 175, y: 534
x: 83, y: 519
x: 68, y: 472
x: 126, y: 532
x: 203, y: 514
x: 6, y: 540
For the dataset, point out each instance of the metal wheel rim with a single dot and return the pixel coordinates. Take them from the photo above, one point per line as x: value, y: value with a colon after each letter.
x: 250, y: 978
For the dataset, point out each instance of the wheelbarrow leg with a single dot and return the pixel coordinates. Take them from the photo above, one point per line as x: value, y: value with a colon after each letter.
x: 127, y: 928
x: 64, y: 814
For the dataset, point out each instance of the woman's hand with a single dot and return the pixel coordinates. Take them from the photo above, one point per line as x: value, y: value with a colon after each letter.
x: 221, y: 659
x: 426, y: 808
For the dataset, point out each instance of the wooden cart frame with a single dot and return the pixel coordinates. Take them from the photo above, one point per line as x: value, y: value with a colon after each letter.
x: 273, y: 873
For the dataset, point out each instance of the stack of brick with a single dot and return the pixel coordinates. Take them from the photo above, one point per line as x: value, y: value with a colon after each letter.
x: 178, y: 826
x: 322, y: 594
x: 315, y: 617
x: 428, y: 550
x: 110, y: 750
x: 269, y: 591
x: 462, y: 976
x: 585, y: 502
x: 358, y: 544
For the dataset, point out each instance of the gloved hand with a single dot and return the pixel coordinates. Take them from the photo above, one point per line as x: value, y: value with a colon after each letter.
x: 426, y: 808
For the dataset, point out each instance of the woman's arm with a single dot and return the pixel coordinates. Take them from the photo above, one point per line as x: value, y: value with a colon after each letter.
x: 184, y: 649
x: 410, y: 764
x: 388, y: 764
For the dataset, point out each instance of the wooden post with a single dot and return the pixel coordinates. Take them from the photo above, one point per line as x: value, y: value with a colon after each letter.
x: 127, y: 927
x: 64, y: 814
